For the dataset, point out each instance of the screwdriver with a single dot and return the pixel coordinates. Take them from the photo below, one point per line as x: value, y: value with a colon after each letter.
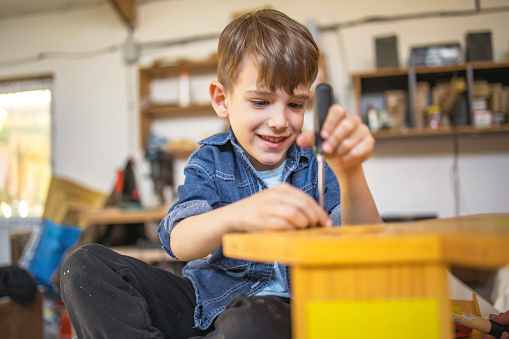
x: 323, y: 101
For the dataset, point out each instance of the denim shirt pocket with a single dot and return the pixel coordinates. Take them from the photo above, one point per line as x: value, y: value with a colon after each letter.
x: 233, y: 267
x: 232, y: 189
x: 307, y: 187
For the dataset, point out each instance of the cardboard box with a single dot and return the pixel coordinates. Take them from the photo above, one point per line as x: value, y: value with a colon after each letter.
x: 481, y: 89
x: 395, y: 105
x: 438, y: 93
x: 22, y: 321
x: 421, y: 103
x: 497, y: 101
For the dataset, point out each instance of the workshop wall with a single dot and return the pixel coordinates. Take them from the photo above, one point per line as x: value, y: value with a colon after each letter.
x: 95, y: 93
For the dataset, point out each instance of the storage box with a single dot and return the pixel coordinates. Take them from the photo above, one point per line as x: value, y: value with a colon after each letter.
x: 479, y: 103
x: 21, y: 321
x: 395, y: 105
x: 421, y: 102
x: 481, y: 89
x: 438, y: 93
x: 482, y: 118
x: 497, y: 101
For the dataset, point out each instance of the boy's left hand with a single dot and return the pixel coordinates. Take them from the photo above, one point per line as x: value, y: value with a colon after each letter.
x: 347, y: 141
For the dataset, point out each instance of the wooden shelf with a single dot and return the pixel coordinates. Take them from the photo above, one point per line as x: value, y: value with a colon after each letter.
x: 176, y: 110
x: 383, y: 72
x: 372, y: 85
x: 164, y: 69
x: 182, y: 152
x: 151, y: 111
x: 443, y: 131
x: 120, y: 216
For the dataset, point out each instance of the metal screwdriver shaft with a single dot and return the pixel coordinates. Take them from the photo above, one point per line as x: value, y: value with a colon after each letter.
x: 323, y: 101
x: 321, y: 178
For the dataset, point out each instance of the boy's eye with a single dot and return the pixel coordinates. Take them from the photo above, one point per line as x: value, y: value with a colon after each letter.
x: 296, y: 105
x: 259, y: 103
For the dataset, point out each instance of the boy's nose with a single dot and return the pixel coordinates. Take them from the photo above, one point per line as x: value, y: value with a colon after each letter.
x: 278, y: 119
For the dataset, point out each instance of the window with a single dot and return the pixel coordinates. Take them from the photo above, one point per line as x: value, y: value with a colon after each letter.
x: 25, y: 147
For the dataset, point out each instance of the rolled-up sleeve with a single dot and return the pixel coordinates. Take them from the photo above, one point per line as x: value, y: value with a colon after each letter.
x: 335, y: 215
x: 176, y: 215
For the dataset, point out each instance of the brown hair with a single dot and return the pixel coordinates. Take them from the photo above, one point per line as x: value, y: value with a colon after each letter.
x: 283, y: 49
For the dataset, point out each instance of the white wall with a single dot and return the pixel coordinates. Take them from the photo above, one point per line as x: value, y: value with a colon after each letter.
x: 96, y: 98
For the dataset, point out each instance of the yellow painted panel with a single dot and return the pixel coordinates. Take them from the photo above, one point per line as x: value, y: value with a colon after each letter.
x: 381, y: 319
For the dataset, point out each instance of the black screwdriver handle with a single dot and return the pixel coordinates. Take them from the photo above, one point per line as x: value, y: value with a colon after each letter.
x: 323, y: 101
x: 497, y: 329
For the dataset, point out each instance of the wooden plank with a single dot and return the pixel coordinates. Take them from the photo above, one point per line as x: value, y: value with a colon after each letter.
x: 127, y: 11
x: 442, y: 131
x: 474, y: 241
x: 119, y: 216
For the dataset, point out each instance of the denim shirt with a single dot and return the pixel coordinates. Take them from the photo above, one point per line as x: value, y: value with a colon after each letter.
x: 217, y: 174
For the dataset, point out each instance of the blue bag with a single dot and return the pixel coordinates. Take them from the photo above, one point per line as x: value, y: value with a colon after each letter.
x: 43, y: 254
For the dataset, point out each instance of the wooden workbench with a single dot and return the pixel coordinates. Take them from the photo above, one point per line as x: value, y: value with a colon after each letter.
x: 94, y: 221
x: 114, y: 215
x: 383, y: 281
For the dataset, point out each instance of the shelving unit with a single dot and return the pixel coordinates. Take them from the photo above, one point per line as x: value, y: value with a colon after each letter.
x: 373, y: 84
x: 442, y: 131
x: 150, y: 110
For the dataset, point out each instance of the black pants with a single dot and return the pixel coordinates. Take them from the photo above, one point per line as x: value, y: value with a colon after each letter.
x: 108, y: 295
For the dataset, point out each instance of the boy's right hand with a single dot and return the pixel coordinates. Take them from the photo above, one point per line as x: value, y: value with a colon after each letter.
x: 278, y: 208
x: 503, y: 319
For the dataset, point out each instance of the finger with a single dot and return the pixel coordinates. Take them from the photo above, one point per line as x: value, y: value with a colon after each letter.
x: 502, y: 318
x: 359, y: 153
x: 327, y: 221
x: 344, y: 129
x: 293, y: 215
x: 317, y: 216
x: 274, y: 223
x: 287, y: 202
x: 349, y: 142
x: 334, y: 116
x: 306, y: 139
x: 360, y: 137
x: 306, y: 205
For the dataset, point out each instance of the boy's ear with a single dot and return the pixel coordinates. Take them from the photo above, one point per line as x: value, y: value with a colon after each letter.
x: 217, y: 94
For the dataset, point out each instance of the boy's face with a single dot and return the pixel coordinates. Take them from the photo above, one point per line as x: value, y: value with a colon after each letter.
x: 265, y: 123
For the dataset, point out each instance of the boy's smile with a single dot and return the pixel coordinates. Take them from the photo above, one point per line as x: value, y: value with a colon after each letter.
x: 266, y: 123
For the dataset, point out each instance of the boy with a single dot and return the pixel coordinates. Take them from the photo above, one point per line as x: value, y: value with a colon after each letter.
x: 260, y: 175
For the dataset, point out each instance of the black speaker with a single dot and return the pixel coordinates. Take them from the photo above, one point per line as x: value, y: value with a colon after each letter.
x: 479, y: 46
x: 386, y: 49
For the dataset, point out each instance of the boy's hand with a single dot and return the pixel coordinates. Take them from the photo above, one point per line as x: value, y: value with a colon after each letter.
x: 347, y: 142
x: 281, y: 207
x: 503, y: 319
